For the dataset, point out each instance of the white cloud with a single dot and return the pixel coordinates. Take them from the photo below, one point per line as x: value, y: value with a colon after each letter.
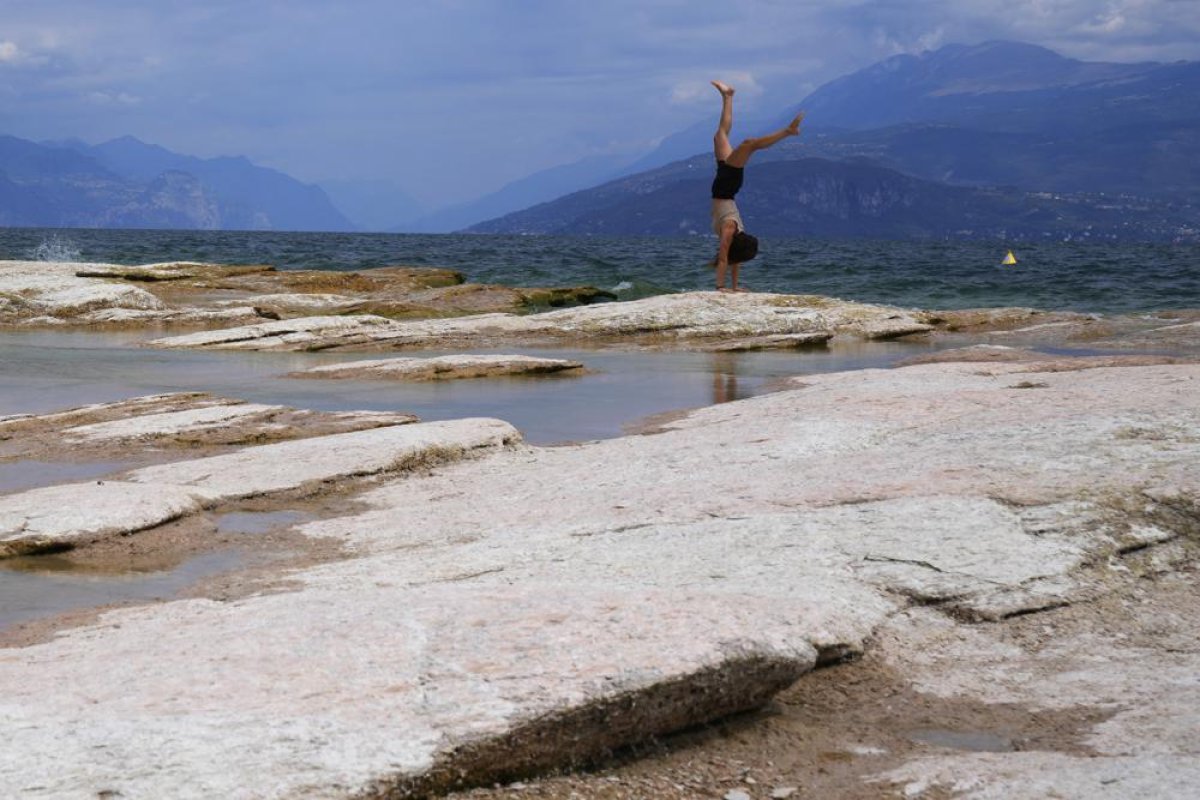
x: 9, y: 53
x: 102, y: 98
x: 701, y: 92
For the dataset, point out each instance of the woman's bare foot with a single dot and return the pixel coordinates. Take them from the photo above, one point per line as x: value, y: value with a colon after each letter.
x: 742, y: 290
x: 725, y: 89
x: 723, y: 290
x: 793, y: 128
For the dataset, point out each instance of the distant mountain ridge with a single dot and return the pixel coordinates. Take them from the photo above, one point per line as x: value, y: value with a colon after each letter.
x: 822, y: 198
x: 1019, y: 125
x: 126, y: 183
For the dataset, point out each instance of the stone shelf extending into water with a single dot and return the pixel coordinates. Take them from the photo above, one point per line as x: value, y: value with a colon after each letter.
x: 62, y: 517
x: 442, y: 368
x: 537, y: 607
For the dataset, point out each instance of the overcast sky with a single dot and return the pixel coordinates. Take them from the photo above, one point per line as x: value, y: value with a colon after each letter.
x: 453, y: 98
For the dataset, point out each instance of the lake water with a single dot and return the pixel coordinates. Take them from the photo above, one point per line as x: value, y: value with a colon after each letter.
x: 44, y: 371
x: 1075, y: 275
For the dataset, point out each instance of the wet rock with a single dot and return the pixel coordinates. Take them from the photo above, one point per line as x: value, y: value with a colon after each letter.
x: 1000, y: 319
x: 994, y: 353
x: 781, y: 342
x: 193, y: 421
x: 442, y: 368
x: 1179, y: 336
x: 168, y: 271
x: 61, y: 517
x: 288, y: 466
x: 541, y: 606
x: 699, y: 319
x: 472, y: 298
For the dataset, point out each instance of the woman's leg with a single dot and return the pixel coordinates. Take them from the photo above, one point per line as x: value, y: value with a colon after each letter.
x: 741, y: 154
x: 721, y: 146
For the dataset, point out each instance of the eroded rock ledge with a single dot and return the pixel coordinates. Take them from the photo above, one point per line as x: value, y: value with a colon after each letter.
x: 442, y: 368
x: 699, y: 319
x: 206, y: 295
x: 616, y: 589
x: 62, y: 517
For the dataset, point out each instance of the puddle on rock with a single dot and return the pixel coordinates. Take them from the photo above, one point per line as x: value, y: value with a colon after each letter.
x: 17, y: 476
x: 35, y: 587
x: 973, y: 741
x: 259, y: 521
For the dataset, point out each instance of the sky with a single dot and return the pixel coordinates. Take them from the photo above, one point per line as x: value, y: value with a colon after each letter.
x: 450, y: 99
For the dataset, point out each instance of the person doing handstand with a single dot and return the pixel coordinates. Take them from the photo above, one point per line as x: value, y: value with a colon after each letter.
x: 736, y: 246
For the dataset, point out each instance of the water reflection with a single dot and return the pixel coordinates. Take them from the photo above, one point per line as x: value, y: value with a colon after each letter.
x: 724, y: 377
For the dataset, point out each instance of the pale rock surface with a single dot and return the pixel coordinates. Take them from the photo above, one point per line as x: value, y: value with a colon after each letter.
x: 665, y: 319
x: 66, y: 516
x: 73, y: 514
x: 1147, y: 676
x: 284, y: 466
x: 303, y: 333
x: 171, y: 422
x: 440, y: 368
x: 536, y: 606
x: 81, y: 299
x: 294, y: 301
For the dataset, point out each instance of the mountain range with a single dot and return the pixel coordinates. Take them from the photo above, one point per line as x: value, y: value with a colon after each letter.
x: 963, y: 140
x: 999, y: 137
x: 126, y: 183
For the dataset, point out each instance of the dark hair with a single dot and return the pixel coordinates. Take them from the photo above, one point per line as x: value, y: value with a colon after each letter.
x: 743, y: 248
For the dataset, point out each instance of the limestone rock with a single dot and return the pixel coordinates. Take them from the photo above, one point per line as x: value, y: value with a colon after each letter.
x: 699, y: 319
x: 293, y: 465
x: 442, y: 368
x: 305, y: 333
x: 534, y: 608
x: 168, y: 271
x: 60, y: 517
x: 171, y: 422
x: 57, y: 517
x: 191, y: 420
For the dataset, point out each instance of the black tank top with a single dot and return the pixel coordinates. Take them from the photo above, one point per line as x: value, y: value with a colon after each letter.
x: 728, y: 181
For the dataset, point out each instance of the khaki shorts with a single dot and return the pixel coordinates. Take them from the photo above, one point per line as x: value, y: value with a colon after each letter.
x: 723, y: 210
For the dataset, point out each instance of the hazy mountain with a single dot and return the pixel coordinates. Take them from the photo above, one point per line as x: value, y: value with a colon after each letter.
x: 536, y: 188
x: 127, y: 183
x: 1000, y: 114
x: 1008, y: 84
x: 1015, y: 114
x: 821, y: 198
x: 250, y: 197
x: 374, y: 205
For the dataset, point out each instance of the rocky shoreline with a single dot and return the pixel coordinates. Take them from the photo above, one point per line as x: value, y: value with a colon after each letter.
x: 999, y: 528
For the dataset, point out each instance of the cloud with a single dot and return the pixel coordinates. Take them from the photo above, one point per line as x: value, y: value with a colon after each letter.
x: 113, y: 98
x: 699, y: 91
x: 456, y: 97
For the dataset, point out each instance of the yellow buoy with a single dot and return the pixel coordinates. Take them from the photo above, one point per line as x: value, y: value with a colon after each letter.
x: 1009, y: 259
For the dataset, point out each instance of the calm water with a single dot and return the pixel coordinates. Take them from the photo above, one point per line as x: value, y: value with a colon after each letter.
x: 922, y: 274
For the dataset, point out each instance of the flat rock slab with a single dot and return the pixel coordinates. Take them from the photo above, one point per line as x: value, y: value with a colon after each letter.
x: 287, y: 466
x: 443, y: 368
x: 205, y: 295
x: 62, y: 517
x: 191, y: 420
x: 695, y: 318
x: 539, y: 606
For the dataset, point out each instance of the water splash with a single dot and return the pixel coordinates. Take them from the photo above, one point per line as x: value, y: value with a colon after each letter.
x: 56, y: 248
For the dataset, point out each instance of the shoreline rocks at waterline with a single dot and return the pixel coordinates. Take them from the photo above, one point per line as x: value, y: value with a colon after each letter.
x: 442, y: 368
x: 62, y: 517
x: 688, y: 319
x: 537, y: 607
x: 64, y: 294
